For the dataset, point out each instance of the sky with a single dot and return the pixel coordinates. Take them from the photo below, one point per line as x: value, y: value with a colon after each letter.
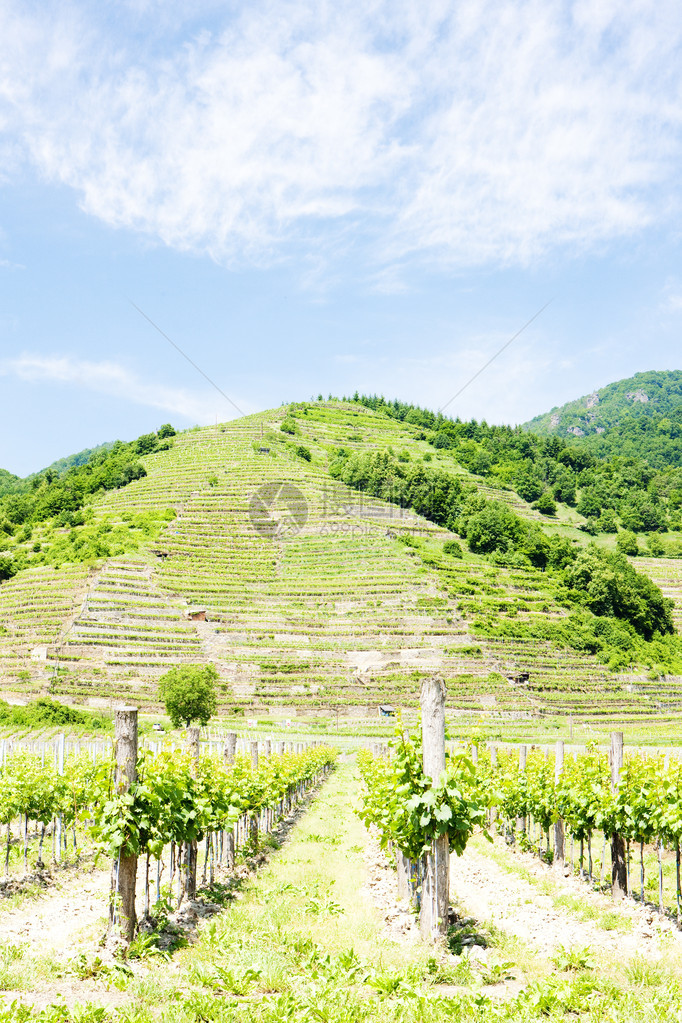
x: 314, y: 197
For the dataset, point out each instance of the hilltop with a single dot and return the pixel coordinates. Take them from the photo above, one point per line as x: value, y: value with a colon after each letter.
x: 639, y: 417
x: 277, y: 548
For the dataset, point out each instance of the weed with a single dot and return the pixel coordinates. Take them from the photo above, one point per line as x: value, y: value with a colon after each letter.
x: 573, y: 959
x: 390, y: 985
x: 497, y: 973
x: 144, y: 946
x: 644, y: 973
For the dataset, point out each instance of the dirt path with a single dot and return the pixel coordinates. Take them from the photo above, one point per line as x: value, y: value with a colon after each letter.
x: 66, y: 917
x: 530, y: 911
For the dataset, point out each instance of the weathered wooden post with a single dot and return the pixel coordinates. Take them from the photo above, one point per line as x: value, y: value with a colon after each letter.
x: 559, y: 825
x: 253, y: 823
x: 122, y: 918
x: 523, y: 756
x: 228, y: 755
x: 619, y: 874
x: 433, y: 917
x: 193, y: 733
x: 493, y: 765
x: 59, y: 758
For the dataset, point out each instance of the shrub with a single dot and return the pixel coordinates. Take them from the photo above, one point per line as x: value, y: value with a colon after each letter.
x: 8, y: 567
x: 453, y: 548
x: 304, y: 453
x: 626, y: 543
x: 545, y: 504
x: 44, y: 712
x: 288, y: 426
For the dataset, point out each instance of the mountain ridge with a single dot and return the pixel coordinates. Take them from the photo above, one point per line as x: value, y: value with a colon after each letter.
x: 638, y: 416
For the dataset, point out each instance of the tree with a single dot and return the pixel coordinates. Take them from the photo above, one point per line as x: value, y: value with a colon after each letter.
x: 166, y: 430
x: 626, y: 543
x: 145, y: 444
x: 8, y: 567
x: 607, y: 521
x: 188, y: 692
x: 611, y: 587
x: 494, y: 527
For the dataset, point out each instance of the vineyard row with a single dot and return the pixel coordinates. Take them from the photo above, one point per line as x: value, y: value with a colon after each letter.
x: 156, y: 802
x: 535, y: 799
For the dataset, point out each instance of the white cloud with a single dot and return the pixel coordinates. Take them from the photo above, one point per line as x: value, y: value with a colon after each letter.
x: 672, y: 296
x: 481, y: 132
x: 112, y: 379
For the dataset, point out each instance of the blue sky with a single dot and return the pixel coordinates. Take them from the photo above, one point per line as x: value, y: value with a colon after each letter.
x: 313, y: 197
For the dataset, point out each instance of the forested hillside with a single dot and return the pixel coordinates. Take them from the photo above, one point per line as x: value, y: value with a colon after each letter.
x: 608, y: 492
x: 54, y: 501
x: 640, y: 417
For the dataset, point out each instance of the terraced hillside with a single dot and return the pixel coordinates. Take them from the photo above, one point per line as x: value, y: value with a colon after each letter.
x: 298, y: 589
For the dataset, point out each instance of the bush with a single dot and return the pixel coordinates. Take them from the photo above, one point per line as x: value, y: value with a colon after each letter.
x: 45, y: 713
x: 655, y: 545
x: 8, y: 567
x: 626, y: 542
x: 304, y: 453
x: 288, y: 426
x: 453, y: 548
x: 165, y: 431
x: 545, y: 504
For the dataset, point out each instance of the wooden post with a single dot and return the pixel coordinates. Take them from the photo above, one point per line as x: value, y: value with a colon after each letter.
x: 403, y: 870
x: 559, y: 826
x: 228, y: 755
x: 493, y: 765
x: 122, y: 917
x: 523, y: 754
x: 60, y: 771
x: 193, y: 733
x: 619, y: 876
x: 230, y: 750
x: 433, y: 917
x: 253, y: 823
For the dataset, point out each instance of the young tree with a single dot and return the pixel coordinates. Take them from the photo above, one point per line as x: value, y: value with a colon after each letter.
x: 188, y: 693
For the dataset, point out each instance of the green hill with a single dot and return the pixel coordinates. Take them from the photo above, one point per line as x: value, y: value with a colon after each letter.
x: 257, y: 546
x: 640, y: 417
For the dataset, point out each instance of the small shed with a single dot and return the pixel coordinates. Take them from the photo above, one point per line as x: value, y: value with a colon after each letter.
x: 196, y: 614
x: 386, y: 710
